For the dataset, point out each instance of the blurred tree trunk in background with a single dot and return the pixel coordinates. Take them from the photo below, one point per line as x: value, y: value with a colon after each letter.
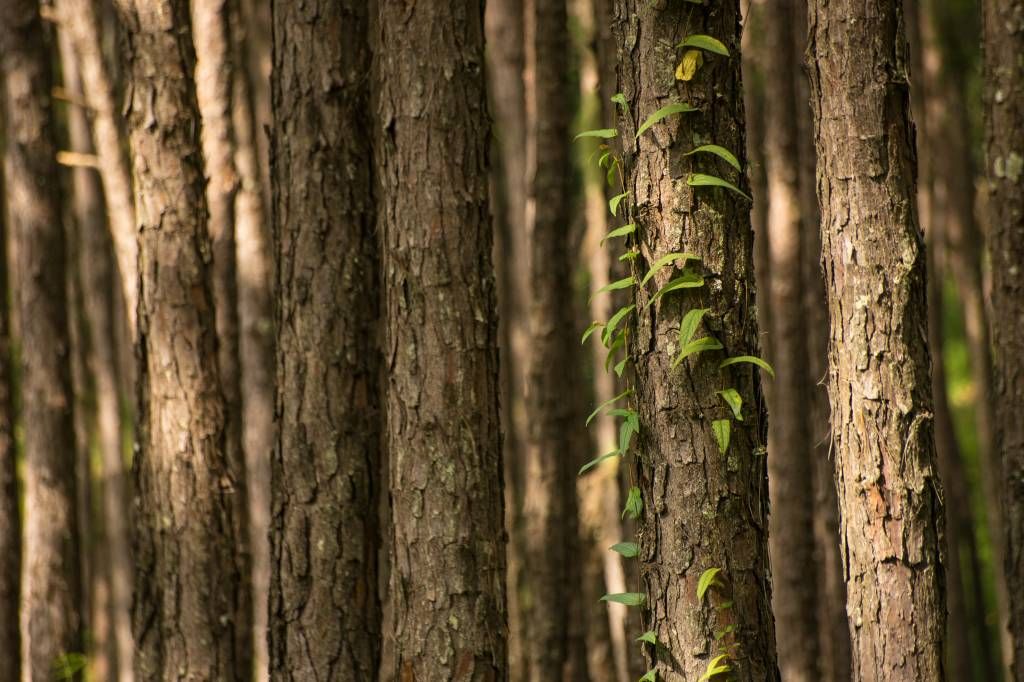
x: 53, y: 617
x: 325, y: 612
x: 10, y: 521
x: 1003, y: 41
x: 188, y: 582
x: 879, y: 383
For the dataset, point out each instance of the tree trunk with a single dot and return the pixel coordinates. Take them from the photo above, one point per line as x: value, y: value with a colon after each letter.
x: 448, y: 561
x: 879, y: 382
x: 325, y: 620
x: 53, y: 612
x: 701, y: 509
x: 1003, y: 41
x: 10, y: 518
x: 189, y: 578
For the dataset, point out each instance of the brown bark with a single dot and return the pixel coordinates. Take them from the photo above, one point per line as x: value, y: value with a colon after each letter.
x: 448, y: 561
x: 701, y: 509
x: 879, y: 382
x: 10, y: 518
x: 53, y: 612
x: 325, y: 612
x: 1003, y: 41
x: 188, y: 578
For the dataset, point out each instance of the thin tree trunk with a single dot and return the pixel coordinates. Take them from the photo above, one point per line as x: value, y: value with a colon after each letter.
x: 701, y: 509
x: 325, y: 614
x: 879, y: 382
x: 443, y: 429
x: 189, y: 577
x: 52, y: 615
x: 1003, y: 42
x: 10, y: 518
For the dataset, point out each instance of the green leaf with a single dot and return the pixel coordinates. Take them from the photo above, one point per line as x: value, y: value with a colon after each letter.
x: 732, y: 398
x: 665, y: 260
x: 626, y: 431
x: 720, y: 152
x: 705, y: 43
x: 620, y: 367
x: 617, y: 343
x: 594, y: 326
x: 717, y: 666
x: 594, y: 462
x: 649, y: 676
x: 626, y: 549
x: 613, y: 203
x: 698, y: 346
x: 627, y: 598
x: 610, y: 401
x: 619, y: 232
x: 663, y: 113
x: 66, y: 666
x: 690, y: 322
x: 614, y: 322
x: 703, y: 180
x: 614, y: 286
x: 602, y: 133
x: 722, y: 429
x: 752, y: 360
x: 706, y: 580
x: 610, y: 175
x: 606, y: 157
x: 688, y: 280
x: 649, y: 637
x: 629, y: 255
x: 634, y: 504
x: 620, y: 99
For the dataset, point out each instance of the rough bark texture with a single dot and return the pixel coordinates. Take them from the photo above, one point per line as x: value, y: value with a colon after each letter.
x: 448, y: 561
x: 10, y: 520
x: 52, y: 606
x: 1003, y: 41
x: 702, y: 509
x: 325, y: 612
x: 188, y: 575
x: 791, y: 448
x: 879, y: 382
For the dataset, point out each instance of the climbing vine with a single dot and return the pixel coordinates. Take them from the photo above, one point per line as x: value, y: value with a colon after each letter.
x: 692, y: 342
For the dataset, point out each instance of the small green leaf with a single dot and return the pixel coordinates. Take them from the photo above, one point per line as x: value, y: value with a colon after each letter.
x: 717, y: 666
x: 703, y: 180
x: 720, y: 152
x: 690, y: 322
x: 66, y: 666
x: 613, y: 203
x: 706, y: 580
x: 627, y: 598
x: 620, y: 367
x: 614, y: 286
x: 649, y: 676
x: 614, y: 322
x: 665, y: 260
x: 619, y: 232
x: 722, y: 429
x: 629, y: 255
x: 663, y: 113
x: 594, y: 462
x: 602, y: 133
x: 688, y: 280
x: 594, y: 326
x: 626, y: 549
x: 626, y: 430
x: 705, y: 43
x: 620, y: 99
x: 752, y: 360
x: 610, y: 401
x: 698, y: 346
x: 610, y: 175
x: 618, y: 342
x: 649, y: 637
x: 732, y: 398
x: 606, y: 157
x: 634, y: 504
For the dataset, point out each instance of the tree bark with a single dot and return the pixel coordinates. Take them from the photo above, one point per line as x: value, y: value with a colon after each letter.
x: 879, y: 382
x: 53, y: 612
x: 1003, y: 41
x: 10, y: 517
x: 325, y: 620
x: 189, y: 578
x: 702, y: 509
x: 448, y: 557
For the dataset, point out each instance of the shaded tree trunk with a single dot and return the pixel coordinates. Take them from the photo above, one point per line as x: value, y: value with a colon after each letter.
x: 879, y: 382
x: 53, y: 610
x: 702, y: 509
x: 325, y: 614
x: 443, y: 434
x: 189, y: 578
x: 1003, y: 42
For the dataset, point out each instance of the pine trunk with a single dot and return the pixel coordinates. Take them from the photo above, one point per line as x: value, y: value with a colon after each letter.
x: 325, y: 614
x: 879, y: 381
x: 443, y: 434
